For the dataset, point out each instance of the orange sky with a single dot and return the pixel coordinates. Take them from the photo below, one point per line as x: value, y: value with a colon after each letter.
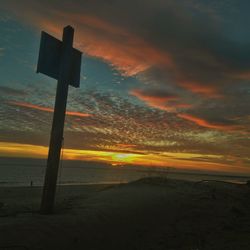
x: 185, y: 161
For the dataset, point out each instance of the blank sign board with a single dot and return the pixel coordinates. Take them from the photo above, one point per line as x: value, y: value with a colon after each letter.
x: 50, y: 59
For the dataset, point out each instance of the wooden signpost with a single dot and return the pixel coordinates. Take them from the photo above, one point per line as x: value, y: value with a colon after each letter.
x: 59, y: 60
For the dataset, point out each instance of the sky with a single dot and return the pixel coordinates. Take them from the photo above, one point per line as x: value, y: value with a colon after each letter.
x: 163, y: 82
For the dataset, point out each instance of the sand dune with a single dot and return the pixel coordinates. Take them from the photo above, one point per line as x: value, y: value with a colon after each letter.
x: 152, y: 213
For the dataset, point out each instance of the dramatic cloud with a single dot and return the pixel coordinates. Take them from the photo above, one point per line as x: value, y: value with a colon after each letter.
x: 182, y: 44
x: 137, y: 35
x: 188, y: 68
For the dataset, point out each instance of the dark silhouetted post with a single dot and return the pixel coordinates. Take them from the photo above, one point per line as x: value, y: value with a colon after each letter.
x: 64, y: 69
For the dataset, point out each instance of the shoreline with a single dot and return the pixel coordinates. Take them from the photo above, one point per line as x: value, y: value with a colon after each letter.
x: 63, y: 184
x: 70, y: 183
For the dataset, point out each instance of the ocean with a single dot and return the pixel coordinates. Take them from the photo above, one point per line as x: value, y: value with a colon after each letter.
x: 23, y: 172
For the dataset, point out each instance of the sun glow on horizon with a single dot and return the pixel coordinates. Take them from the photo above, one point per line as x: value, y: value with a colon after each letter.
x: 165, y: 159
x: 124, y: 157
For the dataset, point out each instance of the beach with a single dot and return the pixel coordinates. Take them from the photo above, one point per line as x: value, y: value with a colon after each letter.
x: 151, y: 213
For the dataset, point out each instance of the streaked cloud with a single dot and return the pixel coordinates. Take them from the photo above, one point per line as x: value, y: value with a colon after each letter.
x: 204, y: 90
x: 207, y: 124
x: 158, y: 98
x: 4, y: 90
x: 46, y: 109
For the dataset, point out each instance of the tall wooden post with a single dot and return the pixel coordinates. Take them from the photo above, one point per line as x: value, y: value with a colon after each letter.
x: 56, y: 137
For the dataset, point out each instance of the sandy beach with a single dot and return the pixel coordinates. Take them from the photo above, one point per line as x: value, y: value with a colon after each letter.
x: 152, y: 213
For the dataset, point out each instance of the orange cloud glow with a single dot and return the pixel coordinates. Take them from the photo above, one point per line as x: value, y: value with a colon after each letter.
x: 131, y: 56
x: 167, y: 103
x: 206, y: 124
x: 32, y: 106
x: 242, y: 76
x: 198, y: 88
x: 99, y: 38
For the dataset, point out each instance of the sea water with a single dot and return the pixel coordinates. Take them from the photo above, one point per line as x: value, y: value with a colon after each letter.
x: 26, y: 172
